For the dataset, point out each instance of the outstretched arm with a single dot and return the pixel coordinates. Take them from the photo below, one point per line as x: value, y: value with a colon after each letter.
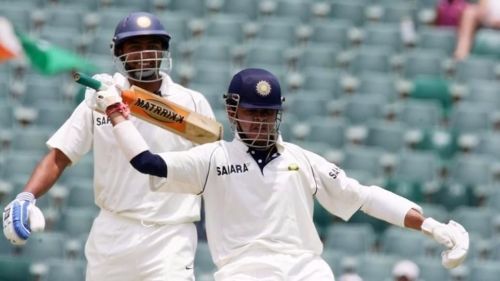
x: 129, y: 139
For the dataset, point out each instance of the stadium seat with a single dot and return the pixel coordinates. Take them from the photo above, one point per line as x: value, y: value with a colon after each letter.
x: 225, y: 28
x: 319, y: 55
x: 486, y: 43
x: 80, y: 195
x: 382, y: 35
x: 423, y: 63
x: 330, y: 32
x: 403, y: 242
x: 17, y: 13
x: 348, y: 10
x: 413, y: 173
x: 244, y: 8
x: 386, y: 135
x: 435, y: 211
x: 350, y: 238
x: 15, y: 268
x: 63, y: 270
x: 51, y: 117
x: 6, y: 115
x: 431, y: 269
x: 80, y: 172
x: 6, y: 248
x: 277, y: 30
x: 361, y: 160
x: 483, y: 91
x: 452, y: 194
x: 395, y: 12
x: 495, y: 247
x: 369, y: 59
x: 61, y: 16
x: 45, y: 245
x: 191, y: 7
x: 422, y: 114
x: 30, y: 139
x: 60, y: 36
x: 298, y: 9
x: 266, y: 54
x: 376, y: 267
x: 360, y: 109
x: 21, y: 164
x: 437, y: 38
x: 317, y: 79
x: 432, y: 88
x: 475, y: 68
x: 77, y: 221
x: 477, y: 220
x: 206, y: 73
x: 211, y: 51
x: 175, y: 23
x: 307, y: 107
x: 489, y: 144
x: 327, y: 131
x: 471, y: 117
x: 485, y: 271
x: 471, y: 170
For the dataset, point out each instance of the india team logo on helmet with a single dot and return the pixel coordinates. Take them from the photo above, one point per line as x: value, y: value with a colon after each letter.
x: 255, y: 88
x: 263, y: 88
x: 144, y: 21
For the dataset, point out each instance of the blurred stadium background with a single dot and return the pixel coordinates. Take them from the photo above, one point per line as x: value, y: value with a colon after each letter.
x: 387, y: 104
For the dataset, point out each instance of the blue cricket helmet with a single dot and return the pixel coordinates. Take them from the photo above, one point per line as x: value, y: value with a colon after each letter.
x: 255, y: 88
x: 139, y: 24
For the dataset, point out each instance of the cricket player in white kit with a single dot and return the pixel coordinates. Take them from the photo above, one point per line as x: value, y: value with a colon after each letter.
x: 259, y: 190
x: 138, y: 234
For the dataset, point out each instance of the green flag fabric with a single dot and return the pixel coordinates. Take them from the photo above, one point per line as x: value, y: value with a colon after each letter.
x: 50, y: 59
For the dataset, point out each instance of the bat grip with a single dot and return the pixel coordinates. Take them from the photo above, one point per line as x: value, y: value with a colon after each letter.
x: 88, y: 81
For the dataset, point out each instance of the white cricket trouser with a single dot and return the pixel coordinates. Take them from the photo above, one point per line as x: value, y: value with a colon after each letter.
x: 269, y: 266
x: 123, y: 249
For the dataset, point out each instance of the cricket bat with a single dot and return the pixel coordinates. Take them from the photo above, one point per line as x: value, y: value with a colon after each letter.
x: 163, y: 113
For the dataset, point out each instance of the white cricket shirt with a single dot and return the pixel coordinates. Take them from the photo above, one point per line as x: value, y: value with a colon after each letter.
x: 249, y: 209
x: 118, y: 187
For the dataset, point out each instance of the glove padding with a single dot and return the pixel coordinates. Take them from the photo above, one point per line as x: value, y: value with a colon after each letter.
x: 453, y: 236
x: 21, y: 217
x: 100, y: 100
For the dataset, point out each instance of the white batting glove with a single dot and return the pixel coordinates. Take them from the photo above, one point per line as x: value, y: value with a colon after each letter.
x: 453, y: 236
x: 21, y: 217
x: 100, y: 100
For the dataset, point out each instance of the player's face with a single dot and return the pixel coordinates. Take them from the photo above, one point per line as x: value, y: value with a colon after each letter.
x: 142, y: 56
x: 257, y: 126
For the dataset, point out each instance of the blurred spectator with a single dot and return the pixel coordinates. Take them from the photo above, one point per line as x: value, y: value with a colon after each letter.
x: 449, y: 12
x: 486, y: 13
x: 405, y: 270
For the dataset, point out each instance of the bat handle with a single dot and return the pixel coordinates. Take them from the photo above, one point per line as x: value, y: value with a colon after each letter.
x: 88, y: 81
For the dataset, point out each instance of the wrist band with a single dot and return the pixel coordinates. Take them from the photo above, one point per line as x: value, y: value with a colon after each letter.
x: 120, y: 107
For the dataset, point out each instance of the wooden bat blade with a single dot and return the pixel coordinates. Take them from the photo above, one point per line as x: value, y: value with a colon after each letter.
x: 171, y: 116
x: 163, y: 113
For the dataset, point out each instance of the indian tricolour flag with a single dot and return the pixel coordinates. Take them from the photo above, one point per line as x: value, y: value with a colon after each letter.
x: 43, y: 56
x: 10, y: 47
